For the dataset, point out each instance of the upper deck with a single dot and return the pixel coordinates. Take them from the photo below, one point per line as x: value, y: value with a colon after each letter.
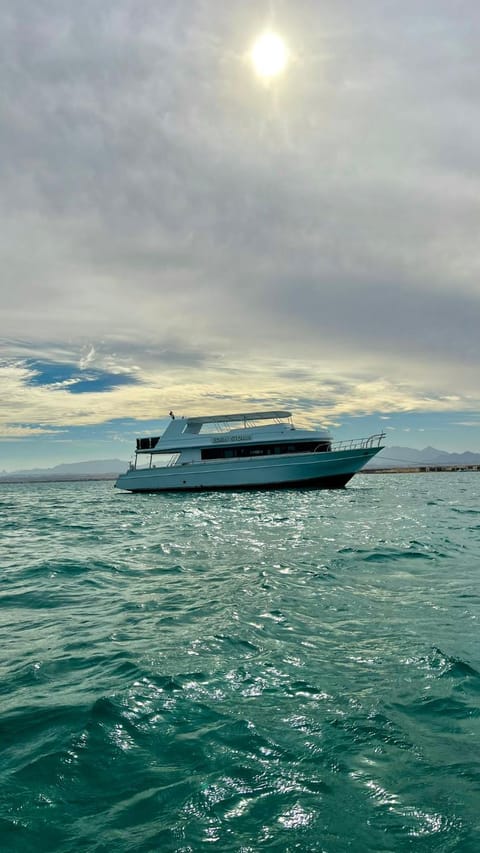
x: 186, y: 433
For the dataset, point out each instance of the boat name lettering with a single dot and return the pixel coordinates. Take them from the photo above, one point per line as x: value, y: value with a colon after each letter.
x: 228, y: 438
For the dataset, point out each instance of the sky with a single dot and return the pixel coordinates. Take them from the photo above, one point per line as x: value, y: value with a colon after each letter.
x: 179, y: 233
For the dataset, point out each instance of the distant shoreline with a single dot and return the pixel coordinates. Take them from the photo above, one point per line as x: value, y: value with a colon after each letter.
x: 81, y: 478
x: 421, y: 469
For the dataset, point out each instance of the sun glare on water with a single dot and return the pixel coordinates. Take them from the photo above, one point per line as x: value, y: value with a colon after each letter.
x: 269, y: 55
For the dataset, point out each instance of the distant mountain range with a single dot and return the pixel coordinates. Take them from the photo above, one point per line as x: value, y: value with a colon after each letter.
x: 406, y: 457
x: 390, y: 457
x: 108, y: 468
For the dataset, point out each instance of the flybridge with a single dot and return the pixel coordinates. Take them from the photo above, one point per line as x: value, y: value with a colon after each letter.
x: 180, y: 431
x: 248, y: 416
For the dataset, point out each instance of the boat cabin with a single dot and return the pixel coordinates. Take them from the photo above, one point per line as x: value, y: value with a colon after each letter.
x: 235, y: 436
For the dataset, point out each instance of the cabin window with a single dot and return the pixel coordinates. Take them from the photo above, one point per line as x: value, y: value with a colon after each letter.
x: 249, y: 450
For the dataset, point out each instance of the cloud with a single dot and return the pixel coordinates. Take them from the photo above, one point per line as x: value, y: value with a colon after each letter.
x: 171, y: 230
x: 45, y: 402
x: 87, y: 358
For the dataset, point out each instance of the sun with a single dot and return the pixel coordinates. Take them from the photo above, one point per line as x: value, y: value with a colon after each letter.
x: 269, y: 55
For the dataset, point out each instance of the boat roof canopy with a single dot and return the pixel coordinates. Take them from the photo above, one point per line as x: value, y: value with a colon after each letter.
x: 243, y: 416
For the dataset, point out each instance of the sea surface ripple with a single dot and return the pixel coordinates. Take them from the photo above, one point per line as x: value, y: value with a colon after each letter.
x: 280, y: 671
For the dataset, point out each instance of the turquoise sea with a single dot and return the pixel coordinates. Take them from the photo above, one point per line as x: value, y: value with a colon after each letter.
x: 278, y: 671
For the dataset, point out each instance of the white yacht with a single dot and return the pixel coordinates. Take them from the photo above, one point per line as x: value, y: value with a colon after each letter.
x: 253, y: 450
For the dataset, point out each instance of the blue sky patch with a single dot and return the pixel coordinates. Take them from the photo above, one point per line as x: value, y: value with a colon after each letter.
x: 69, y: 377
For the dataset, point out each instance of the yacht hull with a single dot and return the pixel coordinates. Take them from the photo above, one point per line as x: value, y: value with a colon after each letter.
x: 327, y: 470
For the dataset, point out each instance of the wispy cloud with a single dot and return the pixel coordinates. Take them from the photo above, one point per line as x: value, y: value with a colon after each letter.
x: 46, y: 393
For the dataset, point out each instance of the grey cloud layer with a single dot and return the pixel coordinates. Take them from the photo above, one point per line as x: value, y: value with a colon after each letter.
x: 153, y: 190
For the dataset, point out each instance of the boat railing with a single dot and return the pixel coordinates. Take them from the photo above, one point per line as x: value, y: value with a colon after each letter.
x: 359, y: 443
